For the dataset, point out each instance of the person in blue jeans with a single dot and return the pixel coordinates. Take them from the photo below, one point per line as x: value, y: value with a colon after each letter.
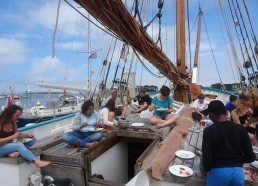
x: 9, y: 132
x: 163, y: 106
x: 225, y: 147
x: 83, y: 125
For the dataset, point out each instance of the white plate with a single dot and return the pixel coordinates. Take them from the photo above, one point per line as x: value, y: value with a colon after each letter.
x: 185, y: 154
x: 96, y: 129
x: 22, y: 140
x: 255, y: 149
x: 181, y: 170
x: 161, y: 109
x: 137, y: 124
x: 255, y: 164
x: 192, y: 129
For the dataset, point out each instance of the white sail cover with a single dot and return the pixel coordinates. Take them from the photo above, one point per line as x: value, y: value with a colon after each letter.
x: 62, y: 87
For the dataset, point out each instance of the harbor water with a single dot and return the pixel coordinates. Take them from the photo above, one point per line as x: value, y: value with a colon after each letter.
x: 32, y: 100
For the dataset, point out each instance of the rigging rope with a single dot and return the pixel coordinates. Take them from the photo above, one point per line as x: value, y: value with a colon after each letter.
x: 146, y: 68
x: 236, y: 60
x: 212, y: 51
x: 68, y: 62
x: 110, y: 62
x: 109, y: 32
x: 251, y: 24
x: 231, y: 66
x: 238, y: 25
x: 56, y: 46
x: 247, y: 36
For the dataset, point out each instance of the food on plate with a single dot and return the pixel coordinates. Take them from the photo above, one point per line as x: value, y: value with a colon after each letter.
x: 184, y: 172
x: 20, y: 140
x: 251, y: 175
x: 95, y: 128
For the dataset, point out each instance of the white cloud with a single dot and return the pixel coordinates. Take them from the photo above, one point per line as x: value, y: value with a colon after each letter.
x: 12, y: 51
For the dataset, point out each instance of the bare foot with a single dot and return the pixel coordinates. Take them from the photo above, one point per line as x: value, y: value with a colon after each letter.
x: 160, y: 126
x: 40, y: 163
x: 90, y: 144
x: 14, y: 155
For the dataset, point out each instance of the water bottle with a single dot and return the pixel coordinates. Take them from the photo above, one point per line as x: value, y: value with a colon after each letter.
x: 185, y: 144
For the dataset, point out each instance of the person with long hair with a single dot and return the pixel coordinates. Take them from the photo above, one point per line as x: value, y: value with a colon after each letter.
x: 108, y: 113
x: 240, y: 116
x: 83, y: 123
x: 225, y: 147
x: 9, y: 132
x: 163, y: 106
x: 249, y: 98
x: 120, y: 109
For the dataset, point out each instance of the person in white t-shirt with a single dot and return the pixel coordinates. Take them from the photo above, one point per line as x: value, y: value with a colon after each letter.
x: 200, y: 108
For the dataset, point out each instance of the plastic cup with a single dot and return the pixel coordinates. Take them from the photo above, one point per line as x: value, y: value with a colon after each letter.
x: 203, y: 123
x: 141, y: 179
x: 184, y: 135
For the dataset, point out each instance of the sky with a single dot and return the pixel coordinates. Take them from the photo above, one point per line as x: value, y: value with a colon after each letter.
x: 26, y: 38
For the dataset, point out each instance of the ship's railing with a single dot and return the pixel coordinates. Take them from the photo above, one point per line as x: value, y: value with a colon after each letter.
x: 45, y: 128
x: 221, y: 94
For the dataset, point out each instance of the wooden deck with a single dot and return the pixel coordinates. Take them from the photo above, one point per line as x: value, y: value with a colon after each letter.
x: 164, y: 142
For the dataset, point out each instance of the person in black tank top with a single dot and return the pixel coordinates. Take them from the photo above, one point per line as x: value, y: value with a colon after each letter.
x: 9, y: 132
x: 239, y: 115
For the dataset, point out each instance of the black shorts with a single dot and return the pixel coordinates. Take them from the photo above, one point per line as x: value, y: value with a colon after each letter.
x: 118, y: 111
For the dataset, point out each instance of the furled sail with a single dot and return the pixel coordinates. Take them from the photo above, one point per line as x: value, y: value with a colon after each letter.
x: 115, y: 16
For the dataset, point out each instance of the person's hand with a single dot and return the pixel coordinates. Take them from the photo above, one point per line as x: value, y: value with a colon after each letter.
x: 30, y: 135
x: 254, y: 141
x: 16, y: 135
x: 84, y: 124
x: 98, y: 124
x: 202, y: 116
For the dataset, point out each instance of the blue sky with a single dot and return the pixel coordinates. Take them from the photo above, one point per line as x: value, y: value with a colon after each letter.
x: 26, y: 30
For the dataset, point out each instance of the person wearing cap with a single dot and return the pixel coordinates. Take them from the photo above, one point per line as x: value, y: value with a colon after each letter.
x: 144, y: 101
x: 120, y: 109
x: 225, y: 148
x: 199, y: 108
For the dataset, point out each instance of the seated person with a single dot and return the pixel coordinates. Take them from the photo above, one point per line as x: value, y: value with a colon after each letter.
x: 163, y: 118
x: 107, y: 114
x: 144, y: 101
x: 240, y: 116
x: 120, y: 109
x: 199, y: 107
x: 9, y: 132
x: 83, y: 122
x: 255, y: 116
x: 231, y: 104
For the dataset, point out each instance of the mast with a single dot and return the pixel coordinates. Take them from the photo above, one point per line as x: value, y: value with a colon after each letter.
x: 180, y: 94
x: 196, y: 55
x: 114, y: 15
x: 195, y: 88
x: 180, y: 27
